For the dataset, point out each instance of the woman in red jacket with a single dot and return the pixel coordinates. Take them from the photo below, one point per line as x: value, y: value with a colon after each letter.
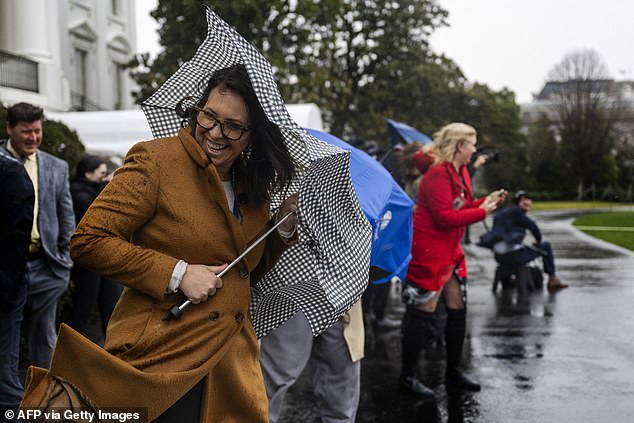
x: 445, y: 206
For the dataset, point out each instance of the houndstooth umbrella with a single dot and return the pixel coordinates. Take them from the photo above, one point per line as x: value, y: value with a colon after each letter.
x: 327, y: 270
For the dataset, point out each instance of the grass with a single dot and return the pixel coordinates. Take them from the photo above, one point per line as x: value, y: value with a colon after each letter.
x: 575, y: 205
x: 621, y: 237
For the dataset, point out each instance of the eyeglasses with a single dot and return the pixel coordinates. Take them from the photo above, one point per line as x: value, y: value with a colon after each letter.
x: 230, y: 130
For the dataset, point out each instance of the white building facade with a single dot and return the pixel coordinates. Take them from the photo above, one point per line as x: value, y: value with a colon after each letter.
x: 67, y: 55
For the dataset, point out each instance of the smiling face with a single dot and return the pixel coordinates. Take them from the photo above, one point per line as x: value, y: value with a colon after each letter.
x: 525, y: 203
x: 228, y: 107
x: 465, y: 150
x: 25, y: 137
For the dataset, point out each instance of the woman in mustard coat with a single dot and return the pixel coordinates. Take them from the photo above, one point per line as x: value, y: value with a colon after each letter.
x: 170, y: 220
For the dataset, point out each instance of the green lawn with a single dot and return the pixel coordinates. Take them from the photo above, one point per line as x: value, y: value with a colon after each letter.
x: 560, y: 205
x: 622, y: 222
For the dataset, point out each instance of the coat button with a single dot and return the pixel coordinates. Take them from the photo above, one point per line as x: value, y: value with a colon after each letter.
x: 239, y: 317
x: 244, y: 272
x: 214, y: 315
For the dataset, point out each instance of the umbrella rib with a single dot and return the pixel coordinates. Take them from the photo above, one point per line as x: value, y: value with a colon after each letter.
x: 159, y: 107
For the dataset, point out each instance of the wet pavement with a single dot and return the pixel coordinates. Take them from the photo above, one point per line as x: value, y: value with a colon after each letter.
x: 541, y: 357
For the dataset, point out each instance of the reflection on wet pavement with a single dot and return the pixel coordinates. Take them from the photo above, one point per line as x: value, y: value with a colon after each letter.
x: 541, y: 357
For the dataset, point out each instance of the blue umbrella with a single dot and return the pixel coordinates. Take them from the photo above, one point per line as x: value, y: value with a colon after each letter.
x: 398, y: 131
x: 386, y: 206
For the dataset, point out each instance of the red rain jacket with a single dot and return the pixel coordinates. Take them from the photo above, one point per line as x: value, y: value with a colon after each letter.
x: 445, y: 206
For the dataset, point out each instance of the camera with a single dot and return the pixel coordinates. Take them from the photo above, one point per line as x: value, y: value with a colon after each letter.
x: 489, y: 151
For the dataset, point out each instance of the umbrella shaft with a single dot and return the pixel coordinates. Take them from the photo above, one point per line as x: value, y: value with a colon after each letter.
x: 241, y: 256
x: 252, y: 246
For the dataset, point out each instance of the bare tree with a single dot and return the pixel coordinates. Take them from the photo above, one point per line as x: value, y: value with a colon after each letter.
x: 586, y: 108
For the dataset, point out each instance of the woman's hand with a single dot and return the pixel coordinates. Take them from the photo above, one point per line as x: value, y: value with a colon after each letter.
x: 200, y: 282
x: 493, y: 200
x: 289, y: 205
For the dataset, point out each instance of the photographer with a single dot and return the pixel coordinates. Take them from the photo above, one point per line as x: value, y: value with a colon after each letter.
x: 507, y: 239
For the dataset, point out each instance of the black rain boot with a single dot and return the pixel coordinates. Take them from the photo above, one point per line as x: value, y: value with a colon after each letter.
x: 416, y: 332
x: 454, y: 338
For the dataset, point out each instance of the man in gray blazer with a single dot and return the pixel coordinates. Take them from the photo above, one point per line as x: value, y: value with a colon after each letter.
x: 48, y: 264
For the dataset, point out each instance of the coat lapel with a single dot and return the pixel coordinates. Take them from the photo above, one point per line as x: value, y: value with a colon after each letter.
x: 43, y: 180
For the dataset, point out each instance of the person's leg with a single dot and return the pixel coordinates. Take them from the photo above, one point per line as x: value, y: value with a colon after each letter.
x: 518, y: 259
x: 522, y: 256
x: 11, y: 389
x: 284, y: 353
x: 418, y: 329
x: 84, y: 297
x: 454, y: 336
x: 381, y: 295
x: 186, y: 409
x: 547, y: 257
x: 337, y: 378
x: 44, y: 291
x: 554, y: 283
x: 109, y: 293
x: 381, y: 292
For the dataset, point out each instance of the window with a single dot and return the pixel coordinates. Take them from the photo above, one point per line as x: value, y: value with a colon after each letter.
x: 115, y: 7
x: 118, y: 86
x: 80, y: 79
x: 81, y: 71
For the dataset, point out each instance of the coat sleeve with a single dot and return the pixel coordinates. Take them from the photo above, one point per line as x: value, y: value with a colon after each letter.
x: 530, y: 224
x: 16, y: 206
x: 437, y: 190
x: 103, y: 241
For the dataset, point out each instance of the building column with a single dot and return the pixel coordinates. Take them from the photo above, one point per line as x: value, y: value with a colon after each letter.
x: 30, y: 22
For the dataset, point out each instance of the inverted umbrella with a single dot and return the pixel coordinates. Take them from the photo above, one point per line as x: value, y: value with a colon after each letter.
x: 327, y: 270
x: 387, y: 207
x: 401, y: 132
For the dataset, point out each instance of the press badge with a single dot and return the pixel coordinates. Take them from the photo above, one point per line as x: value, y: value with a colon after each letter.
x: 458, y: 202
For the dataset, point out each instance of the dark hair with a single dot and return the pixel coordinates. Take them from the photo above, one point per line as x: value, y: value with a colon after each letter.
x: 519, y: 195
x: 87, y: 164
x: 23, y: 112
x: 269, y: 166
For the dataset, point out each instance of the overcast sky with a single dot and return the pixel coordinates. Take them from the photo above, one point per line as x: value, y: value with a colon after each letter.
x: 510, y: 43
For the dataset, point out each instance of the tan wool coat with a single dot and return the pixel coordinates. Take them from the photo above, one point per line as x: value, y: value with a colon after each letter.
x: 167, y: 203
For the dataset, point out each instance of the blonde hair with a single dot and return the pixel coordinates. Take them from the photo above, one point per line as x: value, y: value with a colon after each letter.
x: 447, y: 140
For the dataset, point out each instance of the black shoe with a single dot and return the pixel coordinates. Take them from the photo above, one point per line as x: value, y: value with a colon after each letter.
x: 457, y: 379
x: 412, y: 385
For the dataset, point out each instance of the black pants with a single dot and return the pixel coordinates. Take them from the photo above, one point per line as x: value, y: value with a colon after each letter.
x: 91, y: 288
x: 186, y: 409
x: 375, y: 297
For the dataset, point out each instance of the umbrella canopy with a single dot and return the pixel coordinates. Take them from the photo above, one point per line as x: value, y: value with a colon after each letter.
x: 326, y: 272
x: 400, y: 132
x: 385, y: 204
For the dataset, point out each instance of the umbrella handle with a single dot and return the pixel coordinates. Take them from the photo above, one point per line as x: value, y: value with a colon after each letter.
x: 176, y: 311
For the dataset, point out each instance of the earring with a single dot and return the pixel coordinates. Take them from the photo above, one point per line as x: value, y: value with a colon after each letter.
x: 246, y: 154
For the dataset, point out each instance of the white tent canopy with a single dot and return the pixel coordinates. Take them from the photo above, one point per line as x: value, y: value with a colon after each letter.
x: 112, y: 133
